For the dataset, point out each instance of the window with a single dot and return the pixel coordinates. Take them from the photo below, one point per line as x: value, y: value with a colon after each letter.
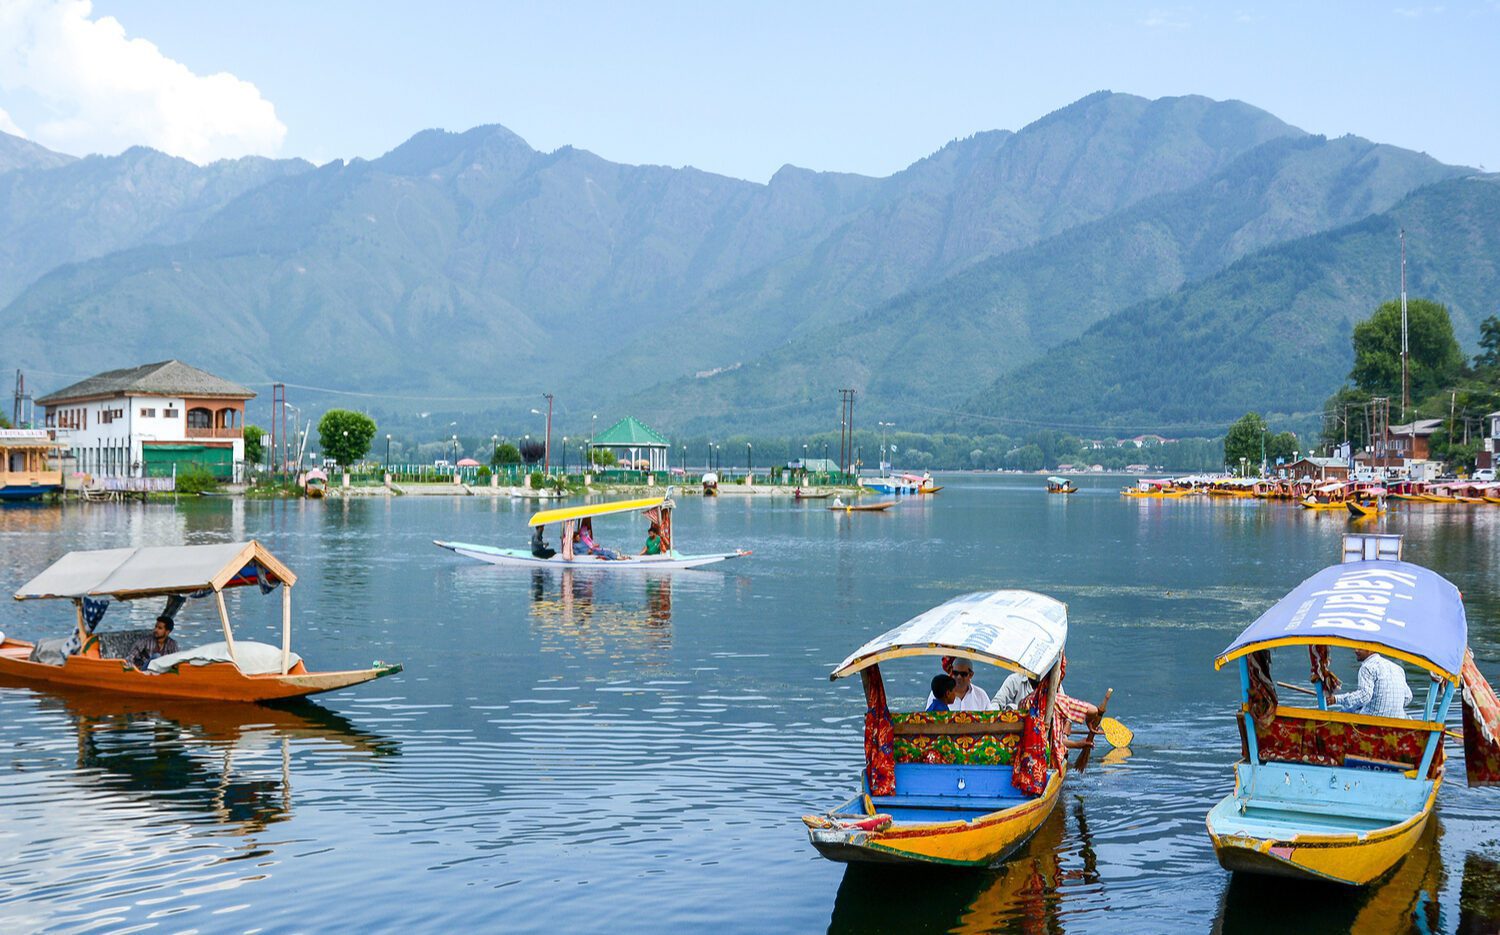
x: 148, y: 413
x: 200, y: 419
x: 169, y: 413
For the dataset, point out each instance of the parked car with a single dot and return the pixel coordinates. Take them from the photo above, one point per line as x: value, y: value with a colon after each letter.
x: 1485, y: 475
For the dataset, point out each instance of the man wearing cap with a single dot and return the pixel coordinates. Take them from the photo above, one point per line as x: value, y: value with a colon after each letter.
x: 158, y: 642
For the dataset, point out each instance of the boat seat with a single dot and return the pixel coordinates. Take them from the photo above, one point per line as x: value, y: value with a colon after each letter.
x: 1311, y: 737
x: 975, y: 738
x: 112, y: 644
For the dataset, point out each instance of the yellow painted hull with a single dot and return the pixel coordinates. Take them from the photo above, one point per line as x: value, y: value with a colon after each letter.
x: 1156, y: 496
x: 983, y: 842
x: 1315, y: 505
x: 1355, y: 859
x: 1434, y: 498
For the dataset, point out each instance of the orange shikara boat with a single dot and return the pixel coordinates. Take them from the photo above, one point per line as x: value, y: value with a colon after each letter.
x: 223, y: 671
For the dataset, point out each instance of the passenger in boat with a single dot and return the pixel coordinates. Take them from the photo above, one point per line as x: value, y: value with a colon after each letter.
x: 943, y: 689
x: 838, y: 501
x: 1382, y: 691
x: 585, y: 538
x: 1013, y: 693
x: 158, y: 642
x: 653, y: 540
x: 539, y: 546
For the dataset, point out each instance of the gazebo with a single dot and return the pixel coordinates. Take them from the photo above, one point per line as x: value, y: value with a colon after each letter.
x: 633, y: 441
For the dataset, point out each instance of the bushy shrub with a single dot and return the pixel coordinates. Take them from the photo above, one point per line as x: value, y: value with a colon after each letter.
x: 196, y: 479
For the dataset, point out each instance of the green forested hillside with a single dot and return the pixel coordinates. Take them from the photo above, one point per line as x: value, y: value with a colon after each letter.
x: 1270, y: 333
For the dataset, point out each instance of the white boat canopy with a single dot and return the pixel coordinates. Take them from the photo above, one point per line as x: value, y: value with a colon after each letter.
x: 1057, y: 481
x: 595, y: 509
x: 152, y: 571
x: 1018, y: 630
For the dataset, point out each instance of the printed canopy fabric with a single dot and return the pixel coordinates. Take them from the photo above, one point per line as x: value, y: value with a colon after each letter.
x: 1410, y: 611
x: 151, y: 570
x: 1021, y: 630
x: 1481, y: 727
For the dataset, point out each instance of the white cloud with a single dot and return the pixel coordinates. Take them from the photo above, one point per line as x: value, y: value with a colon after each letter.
x: 103, y: 91
x: 8, y: 125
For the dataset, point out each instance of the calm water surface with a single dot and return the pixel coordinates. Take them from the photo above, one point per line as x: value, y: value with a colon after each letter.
x: 602, y: 753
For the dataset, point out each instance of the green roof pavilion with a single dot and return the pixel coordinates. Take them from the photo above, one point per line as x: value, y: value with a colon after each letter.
x: 633, y: 441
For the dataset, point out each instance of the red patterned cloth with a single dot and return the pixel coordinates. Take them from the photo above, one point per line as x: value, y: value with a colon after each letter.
x: 1481, y: 726
x: 1029, y: 766
x: 1328, y: 743
x: 1262, y: 688
x: 1321, y: 673
x: 880, y: 735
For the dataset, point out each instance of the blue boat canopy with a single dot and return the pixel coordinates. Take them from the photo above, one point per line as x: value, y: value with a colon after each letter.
x: 1398, y: 608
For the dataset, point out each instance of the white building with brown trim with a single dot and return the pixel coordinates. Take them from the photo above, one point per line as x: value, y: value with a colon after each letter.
x: 152, y: 420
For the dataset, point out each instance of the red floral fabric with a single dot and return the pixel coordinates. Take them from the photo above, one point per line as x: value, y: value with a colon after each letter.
x: 880, y: 735
x: 1481, y: 726
x: 1318, y: 657
x: 1029, y: 767
x: 1262, y: 688
x: 1328, y: 743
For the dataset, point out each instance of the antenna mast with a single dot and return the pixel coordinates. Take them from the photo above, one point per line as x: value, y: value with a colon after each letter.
x: 1405, y: 393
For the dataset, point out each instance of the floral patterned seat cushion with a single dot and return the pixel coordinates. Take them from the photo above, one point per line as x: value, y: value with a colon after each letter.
x: 1328, y: 743
x: 981, y: 749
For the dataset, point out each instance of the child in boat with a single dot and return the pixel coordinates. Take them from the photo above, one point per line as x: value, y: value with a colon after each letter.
x: 943, y: 689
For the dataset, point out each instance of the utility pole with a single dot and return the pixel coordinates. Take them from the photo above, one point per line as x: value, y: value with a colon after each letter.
x: 1405, y: 389
x: 278, y: 427
x: 846, y: 430
x: 547, y: 446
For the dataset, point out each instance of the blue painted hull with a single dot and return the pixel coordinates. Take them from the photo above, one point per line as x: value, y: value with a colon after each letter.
x: 28, y: 492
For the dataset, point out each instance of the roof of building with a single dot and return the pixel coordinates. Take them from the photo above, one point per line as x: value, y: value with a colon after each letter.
x: 1418, y: 427
x: 167, y: 378
x: 1323, y: 462
x: 629, y: 432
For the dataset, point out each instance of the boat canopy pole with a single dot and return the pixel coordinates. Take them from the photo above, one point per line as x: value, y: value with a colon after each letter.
x: 82, y: 631
x: 224, y: 619
x: 286, y: 627
x: 1436, y: 737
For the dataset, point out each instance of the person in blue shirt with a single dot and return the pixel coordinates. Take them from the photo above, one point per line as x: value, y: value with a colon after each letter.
x: 944, y: 687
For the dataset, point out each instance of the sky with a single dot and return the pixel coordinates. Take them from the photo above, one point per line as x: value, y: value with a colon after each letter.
x: 738, y: 89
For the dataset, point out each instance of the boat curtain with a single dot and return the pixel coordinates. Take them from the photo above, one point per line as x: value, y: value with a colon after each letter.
x: 1038, y: 744
x: 1481, y: 726
x: 1322, y: 673
x: 1262, y: 688
x: 880, y: 735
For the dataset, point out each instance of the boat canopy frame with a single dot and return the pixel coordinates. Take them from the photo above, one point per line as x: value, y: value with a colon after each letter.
x: 1022, y: 631
x: 164, y: 571
x: 563, y: 514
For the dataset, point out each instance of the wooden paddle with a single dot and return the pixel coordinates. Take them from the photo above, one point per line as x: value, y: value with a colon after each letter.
x: 1083, y: 756
x: 1118, y: 735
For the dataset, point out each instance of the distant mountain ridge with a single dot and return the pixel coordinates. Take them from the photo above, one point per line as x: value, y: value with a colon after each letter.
x: 471, y: 265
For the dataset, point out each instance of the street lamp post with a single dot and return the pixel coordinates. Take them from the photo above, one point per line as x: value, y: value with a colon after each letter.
x: 1242, y: 465
x: 749, y: 465
x: 883, y: 427
x: 565, y: 456
x: 387, y: 453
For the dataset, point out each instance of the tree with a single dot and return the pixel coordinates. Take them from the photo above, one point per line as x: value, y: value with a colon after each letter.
x: 532, y: 450
x: 1434, y: 360
x: 1244, y: 439
x: 345, y: 436
x: 254, y: 450
x: 4, y: 423
x: 603, y: 457
x: 1489, y: 345
x: 1282, y: 445
x: 505, y: 453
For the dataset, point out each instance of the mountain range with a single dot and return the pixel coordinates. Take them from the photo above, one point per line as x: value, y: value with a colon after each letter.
x: 1072, y: 271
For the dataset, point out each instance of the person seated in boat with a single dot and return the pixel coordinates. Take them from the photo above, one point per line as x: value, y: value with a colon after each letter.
x: 1013, y: 693
x: 1382, y: 691
x: 968, y: 696
x: 838, y: 501
x: 943, y: 689
x: 585, y: 539
x: 653, y: 540
x: 539, y: 546
x: 158, y: 642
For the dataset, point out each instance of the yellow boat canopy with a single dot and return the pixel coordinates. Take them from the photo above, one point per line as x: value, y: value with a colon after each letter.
x: 595, y: 509
x: 1018, y: 630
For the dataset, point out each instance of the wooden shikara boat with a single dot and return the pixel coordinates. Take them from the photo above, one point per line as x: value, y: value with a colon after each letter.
x: 227, y: 671
x: 863, y: 507
x: 656, y: 509
x: 937, y: 788
x: 315, y: 485
x: 1060, y: 485
x: 1330, y: 795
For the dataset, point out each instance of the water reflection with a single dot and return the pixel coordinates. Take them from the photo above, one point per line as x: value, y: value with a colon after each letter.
x: 1479, y: 896
x: 229, y: 763
x: 1023, y: 895
x: 1406, y: 901
x: 599, y: 611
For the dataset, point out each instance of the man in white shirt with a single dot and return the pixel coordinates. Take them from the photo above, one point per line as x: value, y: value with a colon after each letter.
x: 968, y: 696
x: 1013, y: 693
x: 1382, y: 691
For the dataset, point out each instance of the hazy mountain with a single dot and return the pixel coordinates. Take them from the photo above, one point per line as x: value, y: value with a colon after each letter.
x: 1272, y: 332
x: 18, y: 153
x: 1003, y: 312
x: 55, y: 213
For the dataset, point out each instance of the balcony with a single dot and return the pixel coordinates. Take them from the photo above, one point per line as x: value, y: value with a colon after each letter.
x: 215, y: 433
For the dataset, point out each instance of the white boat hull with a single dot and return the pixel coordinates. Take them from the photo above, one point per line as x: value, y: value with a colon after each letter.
x: 523, y: 557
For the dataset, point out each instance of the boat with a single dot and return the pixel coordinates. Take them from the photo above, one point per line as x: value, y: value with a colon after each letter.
x: 1366, y: 501
x: 891, y: 484
x: 224, y: 671
x: 315, y: 484
x: 862, y: 507
x: 25, y: 473
x: 1060, y: 485
x: 800, y: 494
x: 1331, y: 795
x: 1327, y: 497
x: 710, y: 484
x: 580, y: 518
x: 1155, y: 489
x: 938, y: 787
x: 924, y: 482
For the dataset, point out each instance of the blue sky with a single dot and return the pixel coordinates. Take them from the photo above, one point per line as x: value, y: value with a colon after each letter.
x: 738, y: 89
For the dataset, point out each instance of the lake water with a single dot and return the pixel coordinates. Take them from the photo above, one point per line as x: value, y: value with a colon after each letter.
x: 586, y: 753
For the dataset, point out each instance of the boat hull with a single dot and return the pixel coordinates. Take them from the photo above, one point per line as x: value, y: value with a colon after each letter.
x: 220, y: 681
x: 1360, y: 510
x: 982, y: 842
x: 523, y: 558
x: 27, y: 491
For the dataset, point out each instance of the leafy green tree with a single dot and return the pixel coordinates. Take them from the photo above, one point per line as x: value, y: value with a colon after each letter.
x: 254, y: 449
x: 345, y: 436
x: 1025, y: 458
x: 1244, y: 440
x: 4, y: 423
x: 1281, y: 445
x: 505, y: 453
x: 1434, y: 363
x: 1488, y: 357
x: 603, y: 457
